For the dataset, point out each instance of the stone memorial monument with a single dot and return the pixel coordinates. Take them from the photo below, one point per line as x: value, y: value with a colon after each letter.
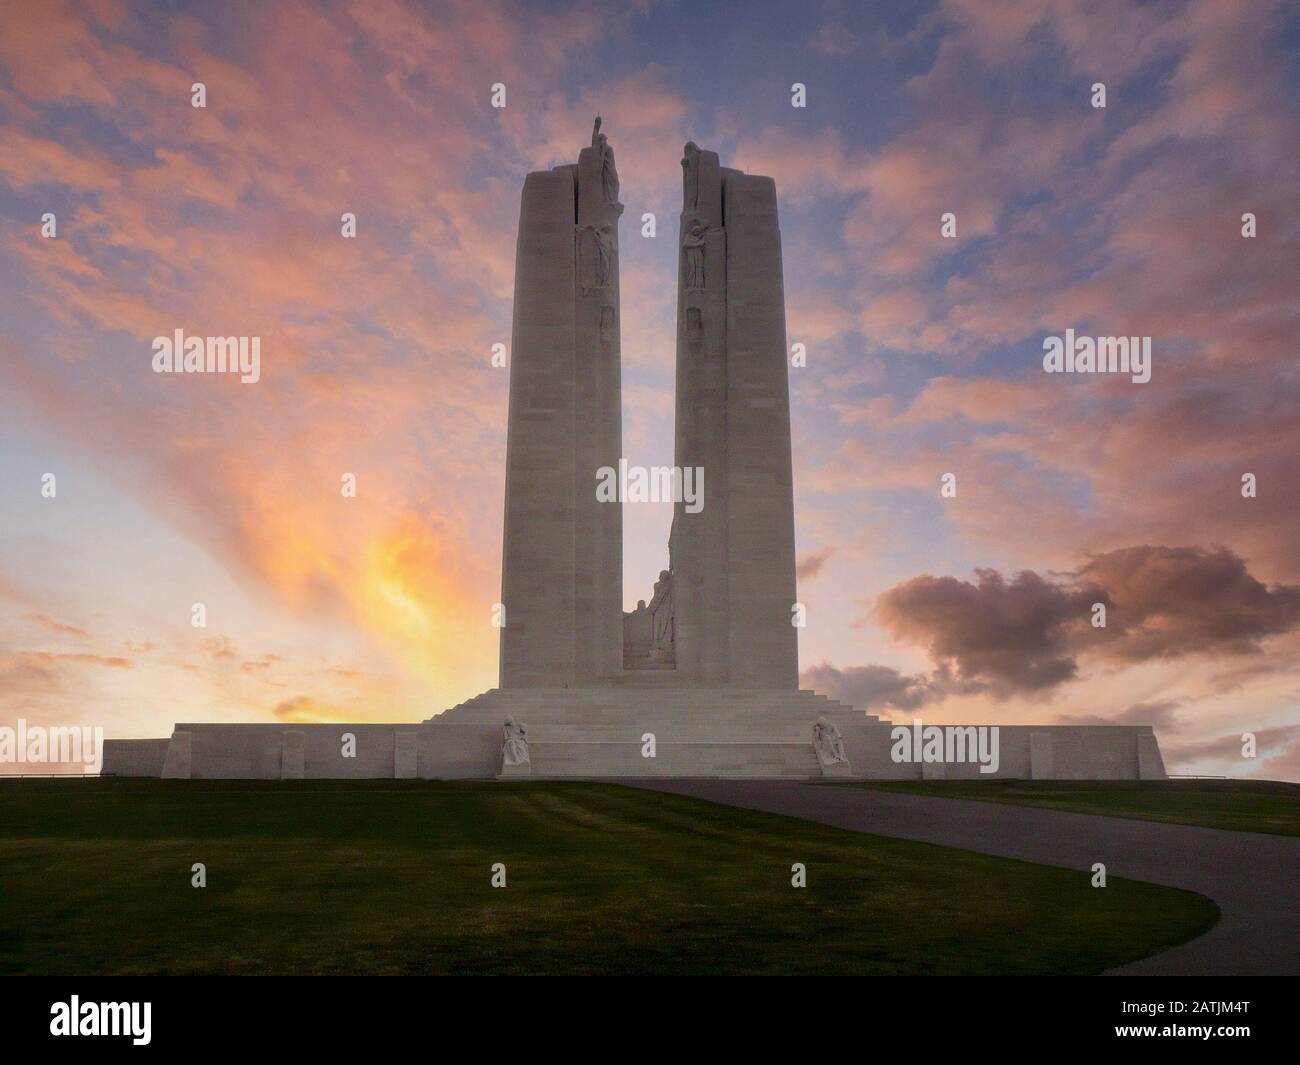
x: 703, y: 679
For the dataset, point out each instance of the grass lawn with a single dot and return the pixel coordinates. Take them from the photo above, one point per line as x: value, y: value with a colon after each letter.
x: 1241, y: 805
x: 393, y: 877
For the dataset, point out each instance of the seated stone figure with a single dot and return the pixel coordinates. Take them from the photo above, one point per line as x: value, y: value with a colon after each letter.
x: 828, y: 743
x: 514, y: 749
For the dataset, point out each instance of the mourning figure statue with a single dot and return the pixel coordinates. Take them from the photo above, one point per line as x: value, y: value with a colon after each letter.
x: 514, y: 749
x: 828, y: 743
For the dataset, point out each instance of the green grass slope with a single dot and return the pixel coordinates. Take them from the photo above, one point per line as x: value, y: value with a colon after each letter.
x: 394, y: 877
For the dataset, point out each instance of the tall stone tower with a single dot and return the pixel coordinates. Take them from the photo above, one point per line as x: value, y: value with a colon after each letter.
x: 733, y: 561
x: 562, y: 565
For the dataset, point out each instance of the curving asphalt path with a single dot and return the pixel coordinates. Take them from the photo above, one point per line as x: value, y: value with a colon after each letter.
x: 1254, y: 878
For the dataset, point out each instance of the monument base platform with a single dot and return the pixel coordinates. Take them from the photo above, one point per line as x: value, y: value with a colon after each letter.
x: 630, y: 732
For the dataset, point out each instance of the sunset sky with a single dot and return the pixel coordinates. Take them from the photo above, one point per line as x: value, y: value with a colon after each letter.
x: 924, y: 353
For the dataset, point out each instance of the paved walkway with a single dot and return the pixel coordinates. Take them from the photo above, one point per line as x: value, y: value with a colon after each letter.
x: 1254, y: 878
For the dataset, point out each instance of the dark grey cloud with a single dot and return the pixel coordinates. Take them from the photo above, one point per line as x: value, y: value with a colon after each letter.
x: 1025, y: 634
x: 1012, y: 636
x: 1172, y: 601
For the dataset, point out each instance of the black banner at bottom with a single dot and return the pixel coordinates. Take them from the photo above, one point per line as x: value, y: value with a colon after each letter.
x: 305, y: 1014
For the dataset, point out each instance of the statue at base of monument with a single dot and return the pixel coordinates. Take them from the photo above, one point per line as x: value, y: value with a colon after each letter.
x: 829, y: 743
x: 514, y: 749
x: 661, y: 619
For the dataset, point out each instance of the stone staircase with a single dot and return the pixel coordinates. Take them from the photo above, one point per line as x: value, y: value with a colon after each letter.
x: 698, y: 732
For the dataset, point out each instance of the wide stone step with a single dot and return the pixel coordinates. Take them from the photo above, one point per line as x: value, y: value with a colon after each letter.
x: 684, y: 699
x: 683, y: 716
x: 793, y: 761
